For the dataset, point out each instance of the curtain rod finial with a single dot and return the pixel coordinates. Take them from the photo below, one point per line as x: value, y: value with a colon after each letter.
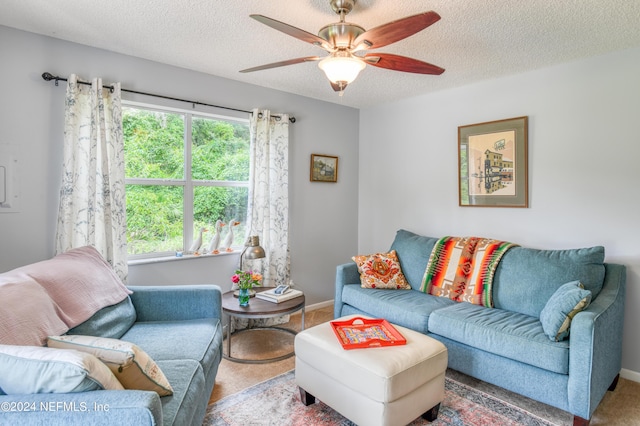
x: 47, y: 76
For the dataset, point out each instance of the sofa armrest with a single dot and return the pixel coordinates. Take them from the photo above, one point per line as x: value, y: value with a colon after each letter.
x: 175, y: 303
x: 346, y: 274
x: 105, y: 407
x: 595, y: 354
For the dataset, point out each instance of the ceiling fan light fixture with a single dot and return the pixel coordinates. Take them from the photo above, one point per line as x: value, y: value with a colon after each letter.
x: 343, y: 41
x: 341, y: 67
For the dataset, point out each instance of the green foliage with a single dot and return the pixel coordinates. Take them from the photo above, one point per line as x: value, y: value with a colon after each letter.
x: 154, y: 149
x: 154, y: 218
x: 154, y: 144
x: 220, y: 150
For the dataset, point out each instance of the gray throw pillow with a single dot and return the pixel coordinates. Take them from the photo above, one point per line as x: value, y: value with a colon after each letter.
x: 564, y: 304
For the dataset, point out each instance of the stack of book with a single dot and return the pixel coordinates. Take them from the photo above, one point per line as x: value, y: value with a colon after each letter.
x: 271, y: 296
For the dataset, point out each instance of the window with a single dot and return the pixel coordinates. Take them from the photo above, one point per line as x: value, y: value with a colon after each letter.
x: 183, y: 171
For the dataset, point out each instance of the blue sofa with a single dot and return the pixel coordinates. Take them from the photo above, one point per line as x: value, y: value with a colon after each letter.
x: 179, y: 327
x: 506, y: 345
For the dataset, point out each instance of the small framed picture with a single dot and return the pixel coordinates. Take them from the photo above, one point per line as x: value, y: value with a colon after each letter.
x: 324, y: 168
x: 492, y: 164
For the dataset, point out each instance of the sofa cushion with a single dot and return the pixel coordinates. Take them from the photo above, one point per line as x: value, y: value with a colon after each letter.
x: 34, y: 369
x: 198, y: 339
x: 131, y: 365
x: 409, y: 309
x: 413, y: 252
x: 28, y: 314
x: 526, y: 278
x: 565, y: 303
x: 381, y: 270
x: 509, y: 334
x: 189, y: 387
x: 111, y: 321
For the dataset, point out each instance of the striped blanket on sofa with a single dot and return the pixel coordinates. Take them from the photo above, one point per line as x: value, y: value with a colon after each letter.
x: 462, y: 268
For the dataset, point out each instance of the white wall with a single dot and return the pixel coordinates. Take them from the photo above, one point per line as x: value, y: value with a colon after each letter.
x: 584, y: 148
x: 323, y: 216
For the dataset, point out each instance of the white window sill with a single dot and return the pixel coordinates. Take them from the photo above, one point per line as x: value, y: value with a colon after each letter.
x: 149, y: 260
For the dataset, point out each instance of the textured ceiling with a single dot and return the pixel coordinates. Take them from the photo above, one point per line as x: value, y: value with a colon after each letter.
x: 474, y: 40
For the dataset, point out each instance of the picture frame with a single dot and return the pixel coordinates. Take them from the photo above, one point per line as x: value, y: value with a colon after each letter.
x: 324, y: 168
x: 492, y: 164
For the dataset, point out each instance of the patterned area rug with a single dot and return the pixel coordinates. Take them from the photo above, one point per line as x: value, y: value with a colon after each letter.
x: 276, y: 402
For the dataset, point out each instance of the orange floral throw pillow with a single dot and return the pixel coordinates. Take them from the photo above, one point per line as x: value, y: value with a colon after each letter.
x: 381, y: 270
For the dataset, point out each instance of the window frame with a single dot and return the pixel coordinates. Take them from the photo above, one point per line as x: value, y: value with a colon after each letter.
x: 187, y: 183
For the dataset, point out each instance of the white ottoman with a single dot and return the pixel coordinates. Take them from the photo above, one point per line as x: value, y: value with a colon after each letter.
x: 390, y: 385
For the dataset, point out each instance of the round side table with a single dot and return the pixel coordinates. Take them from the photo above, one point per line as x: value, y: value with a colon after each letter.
x: 259, y: 309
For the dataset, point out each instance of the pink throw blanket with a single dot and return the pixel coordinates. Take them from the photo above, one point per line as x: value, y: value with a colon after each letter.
x: 77, y: 284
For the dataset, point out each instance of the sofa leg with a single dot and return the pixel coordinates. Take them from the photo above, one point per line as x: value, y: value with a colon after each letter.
x: 579, y: 421
x: 306, y: 398
x: 432, y: 414
x: 614, y: 384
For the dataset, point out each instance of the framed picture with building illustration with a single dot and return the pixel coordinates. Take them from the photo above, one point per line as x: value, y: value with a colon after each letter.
x: 492, y: 164
x: 324, y: 168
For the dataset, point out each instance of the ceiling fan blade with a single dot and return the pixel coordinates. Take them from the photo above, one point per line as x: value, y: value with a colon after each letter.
x: 401, y: 63
x: 395, y: 31
x: 283, y: 63
x: 294, y: 32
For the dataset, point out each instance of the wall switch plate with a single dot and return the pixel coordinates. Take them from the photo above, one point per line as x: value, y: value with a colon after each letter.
x: 9, y: 181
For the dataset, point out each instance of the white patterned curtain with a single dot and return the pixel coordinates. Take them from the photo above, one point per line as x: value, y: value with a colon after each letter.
x: 92, y: 197
x: 268, y: 215
x: 269, y: 193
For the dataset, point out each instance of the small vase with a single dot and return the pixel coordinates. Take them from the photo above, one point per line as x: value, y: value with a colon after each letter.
x: 243, y: 297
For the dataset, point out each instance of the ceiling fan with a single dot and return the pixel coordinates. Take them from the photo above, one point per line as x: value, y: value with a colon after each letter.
x: 347, y: 45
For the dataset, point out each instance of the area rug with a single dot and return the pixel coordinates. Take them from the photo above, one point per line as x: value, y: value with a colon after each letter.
x: 276, y: 402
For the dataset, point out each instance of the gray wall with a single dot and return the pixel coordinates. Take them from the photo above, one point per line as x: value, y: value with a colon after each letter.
x: 584, y: 148
x: 323, y: 216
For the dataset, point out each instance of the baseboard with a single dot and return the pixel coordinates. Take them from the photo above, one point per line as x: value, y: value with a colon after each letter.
x: 319, y: 305
x: 630, y: 375
x: 316, y: 306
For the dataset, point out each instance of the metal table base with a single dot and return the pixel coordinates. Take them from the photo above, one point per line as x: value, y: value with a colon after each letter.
x: 265, y: 310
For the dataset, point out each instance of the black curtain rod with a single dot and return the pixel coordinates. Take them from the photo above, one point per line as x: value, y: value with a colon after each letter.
x: 48, y: 77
